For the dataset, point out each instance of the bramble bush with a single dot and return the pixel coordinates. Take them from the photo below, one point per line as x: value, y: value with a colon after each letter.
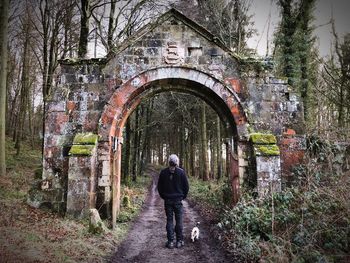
x: 308, y: 222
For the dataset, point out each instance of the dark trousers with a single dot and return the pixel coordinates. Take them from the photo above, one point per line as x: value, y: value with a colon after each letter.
x: 174, y: 207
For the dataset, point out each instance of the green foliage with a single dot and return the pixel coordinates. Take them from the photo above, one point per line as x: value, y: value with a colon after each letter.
x: 126, y: 201
x: 294, y: 48
x: 30, y: 158
x: 19, y: 171
x: 309, y: 222
x: 251, y: 221
x: 125, y: 216
x: 40, y: 233
x: 211, y: 194
x: 133, y: 196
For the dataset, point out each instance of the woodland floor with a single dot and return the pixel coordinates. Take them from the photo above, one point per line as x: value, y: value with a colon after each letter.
x: 146, y: 239
x: 37, y: 235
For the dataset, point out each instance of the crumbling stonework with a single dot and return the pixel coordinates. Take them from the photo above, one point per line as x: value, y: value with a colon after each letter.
x: 267, y: 164
x: 173, y: 53
x: 81, y: 186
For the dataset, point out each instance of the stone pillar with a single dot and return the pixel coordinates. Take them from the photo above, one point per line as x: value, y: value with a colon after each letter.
x: 117, y: 149
x: 81, y: 192
x: 293, y: 148
x: 268, y: 163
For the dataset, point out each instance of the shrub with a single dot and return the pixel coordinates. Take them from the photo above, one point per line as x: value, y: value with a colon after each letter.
x: 309, y: 222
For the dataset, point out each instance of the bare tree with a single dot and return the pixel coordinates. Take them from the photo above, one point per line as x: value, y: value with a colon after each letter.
x: 4, y: 9
x: 85, y: 14
x: 204, y: 144
x: 229, y: 20
x: 337, y: 77
x: 114, y: 21
x: 26, y: 82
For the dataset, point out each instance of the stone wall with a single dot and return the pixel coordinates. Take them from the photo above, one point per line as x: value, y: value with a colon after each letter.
x: 85, y: 87
x: 273, y: 107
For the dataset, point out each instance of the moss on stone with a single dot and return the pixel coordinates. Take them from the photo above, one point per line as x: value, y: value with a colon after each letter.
x: 266, y: 150
x: 82, y: 150
x: 85, y: 139
x: 261, y: 138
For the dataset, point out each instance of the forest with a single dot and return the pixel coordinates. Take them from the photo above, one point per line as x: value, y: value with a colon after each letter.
x: 309, y: 221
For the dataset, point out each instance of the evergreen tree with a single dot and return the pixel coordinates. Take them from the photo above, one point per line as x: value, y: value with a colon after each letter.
x: 305, y: 45
x: 285, y: 42
x: 294, y: 46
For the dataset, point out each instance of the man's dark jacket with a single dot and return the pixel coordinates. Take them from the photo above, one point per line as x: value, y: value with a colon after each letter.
x: 173, y: 185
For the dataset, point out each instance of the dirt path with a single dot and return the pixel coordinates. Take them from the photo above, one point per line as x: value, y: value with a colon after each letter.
x: 146, y: 240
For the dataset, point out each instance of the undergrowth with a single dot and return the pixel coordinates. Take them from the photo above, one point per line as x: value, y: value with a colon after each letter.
x: 132, y: 198
x: 38, y: 235
x: 209, y: 193
x: 307, y: 222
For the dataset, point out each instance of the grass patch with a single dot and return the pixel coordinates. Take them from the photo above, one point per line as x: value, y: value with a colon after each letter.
x: 37, y: 235
x: 28, y: 160
x: 211, y: 194
x: 132, y: 198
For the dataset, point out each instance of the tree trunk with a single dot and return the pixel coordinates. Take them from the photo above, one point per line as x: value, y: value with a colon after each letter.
x: 214, y: 158
x: 204, y: 152
x: 24, y: 91
x: 182, y: 143
x: 67, y: 27
x: 160, y: 151
x: 50, y: 51
x: 3, y: 76
x: 341, y: 121
x: 146, y: 137
x: 84, y: 28
x: 111, y: 25
x: 126, y: 166
x: 305, y: 18
x: 30, y: 107
x: 219, y: 148
x: 135, y: 146
x: 139, y: 141
x: 192, y: 154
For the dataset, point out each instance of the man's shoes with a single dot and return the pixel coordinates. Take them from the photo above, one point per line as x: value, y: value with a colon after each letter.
x: 169, y: 244
x: 180, y: 243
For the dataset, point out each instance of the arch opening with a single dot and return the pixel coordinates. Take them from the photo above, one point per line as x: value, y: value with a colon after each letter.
x: 146, y: 85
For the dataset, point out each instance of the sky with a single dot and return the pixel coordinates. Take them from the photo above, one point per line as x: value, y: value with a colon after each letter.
x: 322, y: 13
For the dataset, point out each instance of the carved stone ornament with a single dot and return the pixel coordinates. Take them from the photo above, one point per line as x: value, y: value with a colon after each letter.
x: 171, y: 55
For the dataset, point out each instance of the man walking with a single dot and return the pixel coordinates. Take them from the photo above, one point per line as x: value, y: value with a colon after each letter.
x: 173, y: 188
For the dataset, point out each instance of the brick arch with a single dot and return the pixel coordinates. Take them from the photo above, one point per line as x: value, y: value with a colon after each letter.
x: 220, y: 95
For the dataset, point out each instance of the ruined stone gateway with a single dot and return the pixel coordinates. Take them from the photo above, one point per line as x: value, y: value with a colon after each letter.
x: 89, y: 106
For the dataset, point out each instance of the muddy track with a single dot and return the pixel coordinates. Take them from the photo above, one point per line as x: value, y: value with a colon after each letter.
x: 146, y: 239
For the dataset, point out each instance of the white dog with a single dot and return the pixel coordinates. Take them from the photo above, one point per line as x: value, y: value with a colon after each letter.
x: 195, y: 232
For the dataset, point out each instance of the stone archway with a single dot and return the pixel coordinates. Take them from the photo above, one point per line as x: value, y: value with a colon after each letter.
x: 93, y: 98
x: 126, y: 98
